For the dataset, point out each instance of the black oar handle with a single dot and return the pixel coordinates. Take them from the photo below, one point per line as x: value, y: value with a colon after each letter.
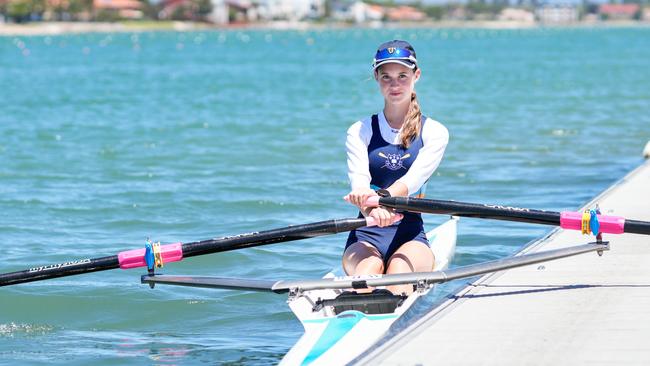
x: 136, y: 257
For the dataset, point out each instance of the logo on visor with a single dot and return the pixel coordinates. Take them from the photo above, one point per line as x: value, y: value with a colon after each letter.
x: 391, y: 50
x: 394, y: 161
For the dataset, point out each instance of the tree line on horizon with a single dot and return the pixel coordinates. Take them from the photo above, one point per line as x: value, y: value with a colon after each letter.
x: 22, y: 11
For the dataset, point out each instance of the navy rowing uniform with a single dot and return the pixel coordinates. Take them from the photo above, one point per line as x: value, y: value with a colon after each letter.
x: 387, y: 163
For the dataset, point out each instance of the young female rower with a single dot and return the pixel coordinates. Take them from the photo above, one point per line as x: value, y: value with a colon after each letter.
x: 395, y: 151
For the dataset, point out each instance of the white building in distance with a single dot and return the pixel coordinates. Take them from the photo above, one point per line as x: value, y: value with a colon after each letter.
x: 292, y: 10
x: 557, y: 13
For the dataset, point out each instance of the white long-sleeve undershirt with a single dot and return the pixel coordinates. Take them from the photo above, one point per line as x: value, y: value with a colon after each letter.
x: 434, y: 137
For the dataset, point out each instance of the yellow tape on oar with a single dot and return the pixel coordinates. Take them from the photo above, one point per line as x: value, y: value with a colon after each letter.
x: 586, y: 218
x: 157, y: 254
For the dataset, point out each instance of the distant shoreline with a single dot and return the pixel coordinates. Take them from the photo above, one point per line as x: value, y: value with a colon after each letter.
x: 56, y: 28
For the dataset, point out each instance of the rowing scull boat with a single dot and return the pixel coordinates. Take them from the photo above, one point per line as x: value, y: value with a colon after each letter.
x: 340, y: 325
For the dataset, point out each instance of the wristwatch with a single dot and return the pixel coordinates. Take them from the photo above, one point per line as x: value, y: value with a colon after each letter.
x: 383, y: 192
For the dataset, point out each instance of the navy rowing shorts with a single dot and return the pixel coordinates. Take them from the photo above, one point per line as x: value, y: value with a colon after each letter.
x: 388, y: 239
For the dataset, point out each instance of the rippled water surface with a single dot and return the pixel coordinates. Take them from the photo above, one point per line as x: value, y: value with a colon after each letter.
x: 108, y: 139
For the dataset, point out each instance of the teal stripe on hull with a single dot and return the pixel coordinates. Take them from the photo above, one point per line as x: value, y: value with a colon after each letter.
x: 336, y: 329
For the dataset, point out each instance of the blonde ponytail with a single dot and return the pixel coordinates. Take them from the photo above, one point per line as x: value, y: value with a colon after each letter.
x: 412, y: 122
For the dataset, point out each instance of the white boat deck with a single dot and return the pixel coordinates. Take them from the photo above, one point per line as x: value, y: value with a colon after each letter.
x: 574, y: 311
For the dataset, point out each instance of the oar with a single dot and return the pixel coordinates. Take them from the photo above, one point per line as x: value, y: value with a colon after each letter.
x: 177, y: 251
x: 567, y: 220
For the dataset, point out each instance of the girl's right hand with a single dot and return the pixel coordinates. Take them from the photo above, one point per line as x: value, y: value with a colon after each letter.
x: 359, y: 196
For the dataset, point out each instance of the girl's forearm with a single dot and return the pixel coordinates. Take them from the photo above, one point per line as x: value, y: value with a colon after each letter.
x: 398, y: 189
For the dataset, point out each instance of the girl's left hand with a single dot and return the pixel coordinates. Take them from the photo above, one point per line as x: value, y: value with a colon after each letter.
x: 384, y: 216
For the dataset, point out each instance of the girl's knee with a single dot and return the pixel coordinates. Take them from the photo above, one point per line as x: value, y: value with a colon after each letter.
x: 411, y: 257
x: 362, y: 258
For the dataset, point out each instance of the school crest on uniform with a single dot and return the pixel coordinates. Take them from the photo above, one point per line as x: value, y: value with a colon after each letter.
x: 394, y: 161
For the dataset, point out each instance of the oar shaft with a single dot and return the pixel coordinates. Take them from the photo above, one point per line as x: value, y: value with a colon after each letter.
x: 176, y: 252
x: 64, y: 269
x: 567, y: 220
x: 465, y: 209
x: 290, y: 233
x: 637, y: 227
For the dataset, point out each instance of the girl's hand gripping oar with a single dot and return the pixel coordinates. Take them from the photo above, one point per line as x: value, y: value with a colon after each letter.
x: 384, y: 216
x: 154, y: 255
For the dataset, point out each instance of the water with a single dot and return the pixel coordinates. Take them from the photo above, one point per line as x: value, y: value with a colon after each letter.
x: 107, y: 139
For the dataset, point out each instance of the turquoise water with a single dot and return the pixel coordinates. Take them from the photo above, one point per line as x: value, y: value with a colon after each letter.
x: 108, y: 139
